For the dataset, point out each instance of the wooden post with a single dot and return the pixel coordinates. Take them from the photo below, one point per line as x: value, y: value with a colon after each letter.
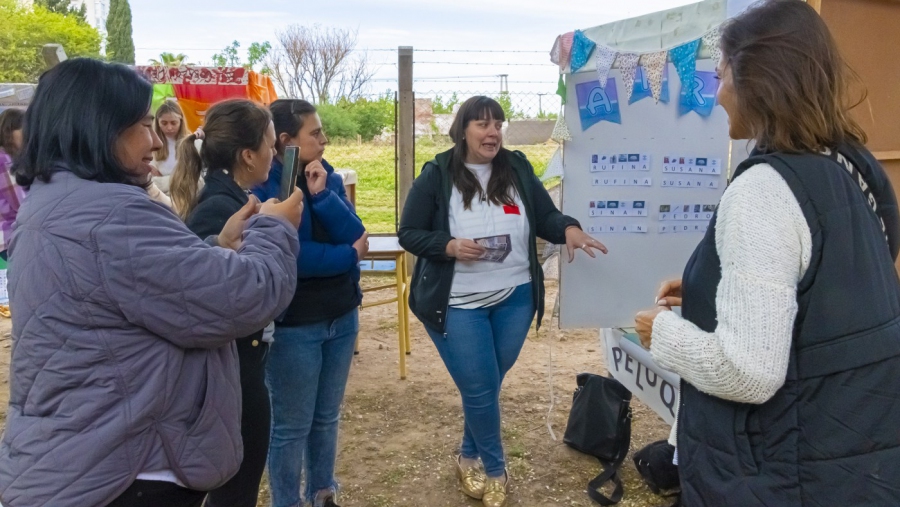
x: 53, y: 54
x: 406, y: 132
x: 406, y: 125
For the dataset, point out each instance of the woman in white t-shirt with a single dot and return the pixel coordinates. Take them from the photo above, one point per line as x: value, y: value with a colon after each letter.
x: 170, y: 126
x: 472, y: 218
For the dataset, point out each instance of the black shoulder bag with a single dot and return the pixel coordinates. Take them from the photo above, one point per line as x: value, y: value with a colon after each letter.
x: 600, y: 425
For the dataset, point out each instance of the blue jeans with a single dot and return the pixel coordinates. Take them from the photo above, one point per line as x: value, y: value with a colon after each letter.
x: 307, y: 373
x: 478, y: 348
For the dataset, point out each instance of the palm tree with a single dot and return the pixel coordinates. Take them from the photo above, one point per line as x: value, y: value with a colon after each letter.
x: 170, y: 60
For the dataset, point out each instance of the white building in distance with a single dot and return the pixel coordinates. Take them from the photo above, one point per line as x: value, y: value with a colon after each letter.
x: 97, y: 12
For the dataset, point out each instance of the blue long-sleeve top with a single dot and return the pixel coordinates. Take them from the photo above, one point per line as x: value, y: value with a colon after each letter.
x: 334, y: 212
x: 327, y: 266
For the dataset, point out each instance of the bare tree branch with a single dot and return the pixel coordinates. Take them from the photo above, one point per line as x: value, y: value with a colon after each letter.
x: 315, y: 63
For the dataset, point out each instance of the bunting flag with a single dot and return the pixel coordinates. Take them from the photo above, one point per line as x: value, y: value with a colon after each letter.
x: 565, y: 50
x: 581, y: 50
x: 561, y: 88
x: 685, y: 59
x: 711, y: 40
x: 627, y: 63
x: 561, y: 130
x: 555, y: 50
x: 554, y: 167
x: 642, y: 86
x: 653, y: 64
x: 605, y: 58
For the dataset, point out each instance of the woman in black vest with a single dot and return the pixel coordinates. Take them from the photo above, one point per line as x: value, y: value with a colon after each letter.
x: 789, y: 342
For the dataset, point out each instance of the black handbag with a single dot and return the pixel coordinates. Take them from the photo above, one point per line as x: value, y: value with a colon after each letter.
x: 654, y: 463
x: 600, y: 425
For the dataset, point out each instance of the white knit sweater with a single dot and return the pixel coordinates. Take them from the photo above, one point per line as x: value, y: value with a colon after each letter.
x: 764, y: 245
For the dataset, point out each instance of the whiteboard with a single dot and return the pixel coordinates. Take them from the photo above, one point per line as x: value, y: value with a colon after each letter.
x: 608, y: 291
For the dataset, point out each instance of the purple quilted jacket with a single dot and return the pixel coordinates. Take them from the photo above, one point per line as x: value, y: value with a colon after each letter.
x: 123, y: 358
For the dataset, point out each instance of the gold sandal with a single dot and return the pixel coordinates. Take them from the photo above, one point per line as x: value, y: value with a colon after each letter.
x: 495, y: 491
x: 471, y: 479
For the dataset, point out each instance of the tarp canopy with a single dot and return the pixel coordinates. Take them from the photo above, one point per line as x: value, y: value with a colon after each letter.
x: 198, y: 88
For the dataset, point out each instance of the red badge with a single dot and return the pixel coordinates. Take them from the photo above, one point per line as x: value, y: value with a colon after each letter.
x: 511, y: 209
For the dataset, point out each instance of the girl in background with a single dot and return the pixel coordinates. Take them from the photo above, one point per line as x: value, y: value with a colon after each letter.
x: 170, y: 126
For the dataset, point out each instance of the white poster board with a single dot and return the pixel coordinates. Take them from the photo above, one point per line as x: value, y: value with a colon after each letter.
x: 645, y: 248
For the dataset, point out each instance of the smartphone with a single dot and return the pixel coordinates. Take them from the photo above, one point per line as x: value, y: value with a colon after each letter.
x: 289, y: 172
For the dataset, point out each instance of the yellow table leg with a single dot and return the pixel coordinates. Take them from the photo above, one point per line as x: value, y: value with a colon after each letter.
x: 401, y: 335
x: 406, y: 310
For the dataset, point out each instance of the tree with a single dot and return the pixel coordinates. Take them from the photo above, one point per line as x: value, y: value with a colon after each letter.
x: 65, y: 8
x: 119, y: 44
x: 26, y: 30
x: 317, y: 64
x: 170, y: 60
x: 505, y: 102
x: 438, y: 106
x: 230, y: 57
x: 257, y: 53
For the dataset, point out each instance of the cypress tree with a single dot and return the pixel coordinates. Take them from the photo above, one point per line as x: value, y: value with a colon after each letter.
x: 119, y: 44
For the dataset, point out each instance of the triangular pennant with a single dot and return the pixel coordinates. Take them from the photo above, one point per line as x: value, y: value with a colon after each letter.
x: 554, y: 51
x: 565, y: 50
x: 605, y: 58
x: 581, y: 50
x: 685, y: 59
x: 627, y: 63
x: 561, y: 88
x: 654, y: 63
x: 561, y: 130
x: 554, y: 167
x: 711, y: 40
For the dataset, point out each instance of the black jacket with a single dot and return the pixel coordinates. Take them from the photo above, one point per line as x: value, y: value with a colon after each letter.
x: 425, y: 232
x: 220, y: 198
x: 829, y: 435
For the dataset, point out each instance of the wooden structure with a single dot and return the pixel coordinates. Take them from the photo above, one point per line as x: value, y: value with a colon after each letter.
x: 867, y: 36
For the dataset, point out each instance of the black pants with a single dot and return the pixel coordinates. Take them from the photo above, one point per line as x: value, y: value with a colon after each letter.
x: 256, y: 418
x: 157, y: 493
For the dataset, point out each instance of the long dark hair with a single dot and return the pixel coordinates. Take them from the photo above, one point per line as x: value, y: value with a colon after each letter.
x: 288, y: 116
x: 80, y: 109
x: 10, y: 121
x: 791, y: 84
x: 229, y: 128
x: 502, y: 183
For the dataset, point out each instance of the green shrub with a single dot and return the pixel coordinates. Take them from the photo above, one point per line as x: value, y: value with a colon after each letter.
x: 338, y: 122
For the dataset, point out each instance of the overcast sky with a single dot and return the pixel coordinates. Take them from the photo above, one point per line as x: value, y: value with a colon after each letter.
x: 200, y: 28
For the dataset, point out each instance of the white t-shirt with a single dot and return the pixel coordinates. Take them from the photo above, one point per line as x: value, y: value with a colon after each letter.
x: 167, y: 167
x: 482, y: 220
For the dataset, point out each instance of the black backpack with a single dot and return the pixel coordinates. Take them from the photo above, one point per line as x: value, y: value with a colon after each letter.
x: 600, y: 425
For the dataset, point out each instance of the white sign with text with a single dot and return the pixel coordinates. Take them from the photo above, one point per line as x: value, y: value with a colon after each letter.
x: 633, y: 366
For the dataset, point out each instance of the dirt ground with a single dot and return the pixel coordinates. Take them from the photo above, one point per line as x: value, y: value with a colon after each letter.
x: 399, y: 437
